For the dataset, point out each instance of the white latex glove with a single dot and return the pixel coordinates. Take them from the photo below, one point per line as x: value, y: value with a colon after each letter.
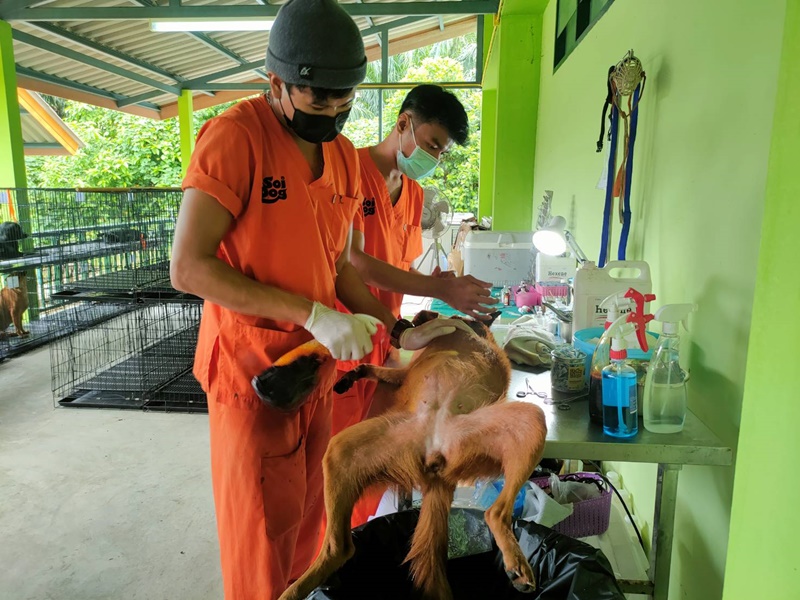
x: 418, y: 337
x: 346, y: 336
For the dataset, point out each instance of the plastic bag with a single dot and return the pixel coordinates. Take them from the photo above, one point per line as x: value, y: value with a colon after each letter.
x: 568, y: 492
x: 565, y: 568
x: 486, y: 492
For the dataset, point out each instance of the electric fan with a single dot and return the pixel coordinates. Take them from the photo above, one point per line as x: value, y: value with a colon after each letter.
x: 435, y: 220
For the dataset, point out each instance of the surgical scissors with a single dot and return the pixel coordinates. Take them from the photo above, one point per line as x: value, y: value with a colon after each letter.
x: 531, y: 392
x: 547, y: 398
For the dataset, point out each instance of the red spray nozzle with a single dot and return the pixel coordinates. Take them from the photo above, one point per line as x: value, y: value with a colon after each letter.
x: 638, y: 316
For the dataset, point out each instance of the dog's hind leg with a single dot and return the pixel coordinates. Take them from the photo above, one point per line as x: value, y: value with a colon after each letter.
x: 507, y: 438
x: 382, y: 450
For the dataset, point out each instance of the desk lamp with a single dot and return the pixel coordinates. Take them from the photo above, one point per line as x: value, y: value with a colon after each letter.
x: 554, y: 238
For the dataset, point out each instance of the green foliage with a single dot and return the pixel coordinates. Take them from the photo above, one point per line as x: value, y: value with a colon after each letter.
x: 452, y: 60
x: 123, y: 150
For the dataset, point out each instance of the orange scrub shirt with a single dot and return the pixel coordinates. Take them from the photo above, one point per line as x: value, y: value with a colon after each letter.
x: 287, y: 231
x: 392, y: 234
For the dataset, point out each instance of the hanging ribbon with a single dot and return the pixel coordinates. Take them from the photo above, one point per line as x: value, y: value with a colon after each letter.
x: 609, y: 101
x: 626, y: 78
x: 605, y: 241
x: 625, y: 201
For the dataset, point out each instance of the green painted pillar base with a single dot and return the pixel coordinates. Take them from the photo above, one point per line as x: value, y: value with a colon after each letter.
x: 12, y: 153
x: 186, y: 124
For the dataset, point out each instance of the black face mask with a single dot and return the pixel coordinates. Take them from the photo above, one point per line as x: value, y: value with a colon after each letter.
x: 315, y: 129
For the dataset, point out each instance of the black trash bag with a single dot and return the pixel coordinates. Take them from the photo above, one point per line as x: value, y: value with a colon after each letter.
x: 565, y: 568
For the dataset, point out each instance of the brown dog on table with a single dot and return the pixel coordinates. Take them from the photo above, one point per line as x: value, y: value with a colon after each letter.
x: 13, y: 304
x: 451, y: 424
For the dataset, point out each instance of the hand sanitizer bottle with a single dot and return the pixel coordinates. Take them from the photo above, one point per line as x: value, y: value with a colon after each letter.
x: 665, y: 387
x: 620, y: 410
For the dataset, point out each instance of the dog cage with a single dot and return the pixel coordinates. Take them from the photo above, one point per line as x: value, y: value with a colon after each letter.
x: 4, y: 348
x: 84, y: 244
x: 141, y: 358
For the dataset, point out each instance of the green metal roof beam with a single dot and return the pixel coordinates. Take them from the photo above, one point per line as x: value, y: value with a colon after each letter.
x: 205, y: 39
x: 36, y: 42
x: 43, y: 145
x: 108, y: 51
x: 18, y: 4
x: 82, y: 87
x: 260, y: 87
x: 379, y: 29
x: 141, y: 98
x: 67, y: 83
x: 372, y: 9
x: 253, y: 66
x: 215, y: 45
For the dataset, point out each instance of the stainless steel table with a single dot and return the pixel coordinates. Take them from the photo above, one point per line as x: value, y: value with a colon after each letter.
x: 571, y: 435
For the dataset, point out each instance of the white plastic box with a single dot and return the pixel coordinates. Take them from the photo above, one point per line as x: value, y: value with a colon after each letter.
x: 500, y: 257
x: 554, y: 269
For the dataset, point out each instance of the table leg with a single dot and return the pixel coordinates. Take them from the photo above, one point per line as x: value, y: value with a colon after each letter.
x: 663, y: 529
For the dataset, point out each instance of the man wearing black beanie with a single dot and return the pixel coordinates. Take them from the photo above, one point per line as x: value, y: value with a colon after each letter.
x: 263, y: 237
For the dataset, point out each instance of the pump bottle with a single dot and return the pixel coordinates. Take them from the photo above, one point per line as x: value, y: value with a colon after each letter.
x: 664, y: 402
x: 620, y: 407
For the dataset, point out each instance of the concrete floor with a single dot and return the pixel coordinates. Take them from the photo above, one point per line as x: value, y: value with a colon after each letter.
x: 101, y: 504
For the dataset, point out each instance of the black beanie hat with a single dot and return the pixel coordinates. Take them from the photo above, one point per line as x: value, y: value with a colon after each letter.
x: 316, y: 43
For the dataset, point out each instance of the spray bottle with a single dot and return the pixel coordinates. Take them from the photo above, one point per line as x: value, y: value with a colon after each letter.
x: 665, y: 387
x: 620, y: 408
x: 614, y: 305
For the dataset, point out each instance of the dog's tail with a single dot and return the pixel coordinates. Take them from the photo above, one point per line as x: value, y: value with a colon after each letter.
x: 428, y: 554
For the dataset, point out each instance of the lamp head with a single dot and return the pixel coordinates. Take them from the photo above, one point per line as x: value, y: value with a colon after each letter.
x: 550, y: 240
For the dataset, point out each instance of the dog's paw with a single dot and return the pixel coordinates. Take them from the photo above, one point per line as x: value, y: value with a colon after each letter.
x: 521, y: 575
x: 347, y: 380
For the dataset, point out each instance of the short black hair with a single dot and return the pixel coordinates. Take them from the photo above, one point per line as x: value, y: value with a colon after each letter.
x: 434, y: 104
x: 321, y: 94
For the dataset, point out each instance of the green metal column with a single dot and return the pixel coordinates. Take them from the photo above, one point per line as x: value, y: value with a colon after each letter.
x: 487, y: 165
x: 186, y: 124
x: 12, y: 157
x: 488, y: 118
x: 762, y: 548
x: 518, y: 67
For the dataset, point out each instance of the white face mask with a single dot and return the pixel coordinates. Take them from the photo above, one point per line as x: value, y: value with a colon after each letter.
x: 420, y: 164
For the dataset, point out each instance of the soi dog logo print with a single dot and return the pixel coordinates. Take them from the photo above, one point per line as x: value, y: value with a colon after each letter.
x: 273, y: 189
x: 368, y: 206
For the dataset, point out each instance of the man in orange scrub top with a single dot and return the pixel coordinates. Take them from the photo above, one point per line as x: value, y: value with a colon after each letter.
x: 263, y: 236
x: 387, y: 236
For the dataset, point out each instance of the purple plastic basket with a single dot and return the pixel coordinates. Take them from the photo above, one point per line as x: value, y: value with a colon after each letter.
x: 589, y: 517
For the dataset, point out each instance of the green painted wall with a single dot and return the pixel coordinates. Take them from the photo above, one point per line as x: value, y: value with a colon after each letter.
x: 12, y: 159
x: 762, y: 554
x: 697, y: 200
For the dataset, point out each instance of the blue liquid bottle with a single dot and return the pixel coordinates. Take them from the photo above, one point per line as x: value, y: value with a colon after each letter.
x: 620, y: 410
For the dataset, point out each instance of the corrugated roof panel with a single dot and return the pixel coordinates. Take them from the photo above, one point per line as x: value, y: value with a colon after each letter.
x: 33, y: 132
x: 182, y: 55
